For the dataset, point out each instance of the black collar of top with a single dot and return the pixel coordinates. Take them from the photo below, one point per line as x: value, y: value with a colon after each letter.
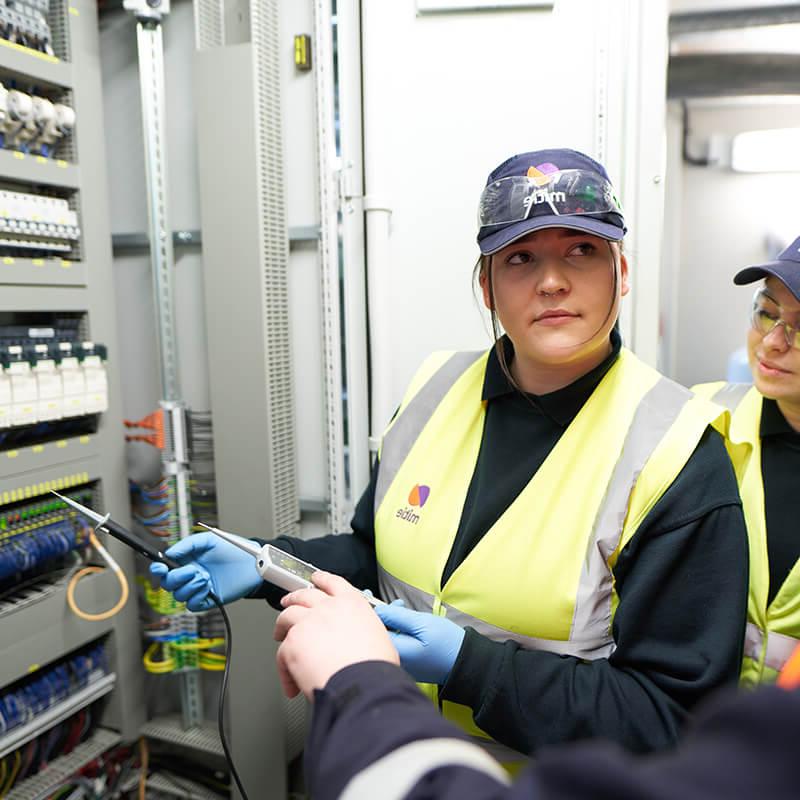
x: 773, y: 423
x: 561, y: 406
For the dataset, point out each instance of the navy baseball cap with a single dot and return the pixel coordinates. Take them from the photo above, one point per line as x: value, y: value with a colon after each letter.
x: 512, y: 206
x: 786, y: 268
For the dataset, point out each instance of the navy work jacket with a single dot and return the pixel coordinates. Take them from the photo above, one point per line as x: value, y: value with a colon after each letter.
x: 740, y: 748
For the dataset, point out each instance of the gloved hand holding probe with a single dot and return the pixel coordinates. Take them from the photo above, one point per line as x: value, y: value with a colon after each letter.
x: 231, y: 567
x: 209, y: 564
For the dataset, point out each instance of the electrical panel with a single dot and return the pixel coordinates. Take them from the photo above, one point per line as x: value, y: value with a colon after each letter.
x: 70, y: 653
x: 52, y: 381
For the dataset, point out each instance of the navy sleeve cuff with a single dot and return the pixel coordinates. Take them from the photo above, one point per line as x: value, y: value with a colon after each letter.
x: 472, y: 674
x: 364, y: 674
x: 365, y: 711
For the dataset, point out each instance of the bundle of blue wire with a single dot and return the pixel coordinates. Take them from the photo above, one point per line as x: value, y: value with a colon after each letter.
x: 37, y: 694
x: 144, y: 500
x: 28, y: 551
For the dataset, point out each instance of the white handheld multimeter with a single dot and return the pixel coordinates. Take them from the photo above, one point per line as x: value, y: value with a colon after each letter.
x: 287, y: 571
x: 276, y: 566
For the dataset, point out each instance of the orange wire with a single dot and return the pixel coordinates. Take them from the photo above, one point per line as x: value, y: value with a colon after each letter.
x: 144, y: 757
x: 73, y: 583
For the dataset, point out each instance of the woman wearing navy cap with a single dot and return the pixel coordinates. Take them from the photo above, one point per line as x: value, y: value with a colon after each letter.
x: 561, y: 522
x: 764, y: 443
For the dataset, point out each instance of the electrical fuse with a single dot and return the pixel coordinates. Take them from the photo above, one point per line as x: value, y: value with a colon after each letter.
x: 14, y: 204
x: 73, y: 381
x: 42, y: 6
x: 19, y: 117
x: 24, y: 394
x: 94, y: 373
x: 5, y: 398
x: 55, y: 121
x: 49, y: 384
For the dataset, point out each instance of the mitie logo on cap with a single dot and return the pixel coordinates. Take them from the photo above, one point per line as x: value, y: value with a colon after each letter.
x: 417, y: 498
x: 541, y: 176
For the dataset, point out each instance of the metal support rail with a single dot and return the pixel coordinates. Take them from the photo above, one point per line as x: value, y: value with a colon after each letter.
x: 175, y: 460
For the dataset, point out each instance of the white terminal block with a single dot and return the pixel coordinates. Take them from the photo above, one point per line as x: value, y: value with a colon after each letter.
x: 24, y: 392
x: 26, y: 22
x: 54, y: 121
x: 96, y: 379
x: 5, y: 399
x: 44, y: 112
x: 42, y: 6
x: 49, y: 385
x: 3, y: 106
x: 37, y: 221
x: 30, y: 130
x: 51, y: 389
x: 73, y: 381
x: 65, y: 119
x: 62, y: 125
x: 19, y: 113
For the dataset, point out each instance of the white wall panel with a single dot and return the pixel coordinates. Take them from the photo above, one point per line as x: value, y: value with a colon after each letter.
x: 446, y: 98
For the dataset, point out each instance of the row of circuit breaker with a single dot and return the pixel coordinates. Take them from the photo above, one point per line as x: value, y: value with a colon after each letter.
x: 51, y: 381
x: 31, y: 123
x: 24, y: 22
x: 37, y: 222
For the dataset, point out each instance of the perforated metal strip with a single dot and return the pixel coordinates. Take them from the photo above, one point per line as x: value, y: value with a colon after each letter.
x: 209, y: 24
x: 265, y: 27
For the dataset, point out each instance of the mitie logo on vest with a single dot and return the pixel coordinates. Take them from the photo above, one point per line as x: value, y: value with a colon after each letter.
x: 417, y: 498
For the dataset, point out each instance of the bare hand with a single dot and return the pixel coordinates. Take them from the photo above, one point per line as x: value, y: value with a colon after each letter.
x: 325, y: 629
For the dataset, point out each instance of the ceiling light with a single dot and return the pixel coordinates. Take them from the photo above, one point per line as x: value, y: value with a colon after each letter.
x: 774, y: 150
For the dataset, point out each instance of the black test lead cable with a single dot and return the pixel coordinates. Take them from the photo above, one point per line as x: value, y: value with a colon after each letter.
x: 223, y: 691
x: 105, y: 523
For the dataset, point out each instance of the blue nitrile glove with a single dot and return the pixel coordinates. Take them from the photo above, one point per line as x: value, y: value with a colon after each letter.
x: 428, y: 645
x: 210, y: 564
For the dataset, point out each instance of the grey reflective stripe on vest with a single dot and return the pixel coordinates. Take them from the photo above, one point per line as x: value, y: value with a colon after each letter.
x: 731, y: 394
x: 655, y: 415
x: 400, y: 438
x: 779, y: 646
x: 393, y: 589
x: 396, y: 774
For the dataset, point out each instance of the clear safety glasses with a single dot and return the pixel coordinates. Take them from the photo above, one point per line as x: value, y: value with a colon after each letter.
x: 768, y: 315
x: 566, y: 192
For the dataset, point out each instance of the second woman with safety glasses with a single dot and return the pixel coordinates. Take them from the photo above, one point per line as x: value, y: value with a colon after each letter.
x: 764, y: 444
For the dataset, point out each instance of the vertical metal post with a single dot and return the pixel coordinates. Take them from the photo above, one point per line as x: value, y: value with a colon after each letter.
x: 338, y: 510
x: 630, y: 66
x: 378, y: 188
x: 175, y: 456
x: 151, y: 80
x: 354, y: 289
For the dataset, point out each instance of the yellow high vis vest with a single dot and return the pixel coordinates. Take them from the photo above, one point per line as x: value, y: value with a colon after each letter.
x: 773, y: 630
x: 543, y: 574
